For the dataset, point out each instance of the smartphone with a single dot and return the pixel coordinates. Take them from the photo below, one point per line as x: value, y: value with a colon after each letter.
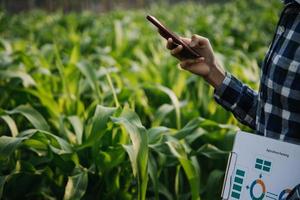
x: 187, y: 51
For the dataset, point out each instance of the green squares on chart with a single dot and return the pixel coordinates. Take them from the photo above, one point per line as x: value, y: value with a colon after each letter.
x: 237, y: 184
x: 259, y: 161
x: 237, y: 188
x: 235, y: 195
x: 240, y: 172
x: 267, y: 163
x: 258, y: 166
x: 238, y: 180
x: 264, y: 165
x: 267, y: 169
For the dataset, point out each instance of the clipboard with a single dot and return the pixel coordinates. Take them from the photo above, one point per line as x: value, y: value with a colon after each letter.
x: 261, y: 168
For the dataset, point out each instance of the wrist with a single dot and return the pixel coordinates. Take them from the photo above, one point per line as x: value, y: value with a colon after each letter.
x: 216, y: 75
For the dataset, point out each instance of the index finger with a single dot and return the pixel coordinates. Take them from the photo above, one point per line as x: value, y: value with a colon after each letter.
x: 170, y: 44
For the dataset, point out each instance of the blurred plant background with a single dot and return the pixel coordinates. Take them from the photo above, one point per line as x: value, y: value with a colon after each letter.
x: 92, y: 106
x: 91, y: 5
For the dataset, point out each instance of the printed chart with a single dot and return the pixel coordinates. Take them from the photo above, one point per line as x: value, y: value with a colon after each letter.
x: 257, y: 169
x: 257, y: 188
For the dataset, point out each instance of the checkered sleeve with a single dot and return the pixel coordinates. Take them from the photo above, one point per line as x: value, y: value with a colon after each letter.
x: 295, y: 194
x: 238, y: 98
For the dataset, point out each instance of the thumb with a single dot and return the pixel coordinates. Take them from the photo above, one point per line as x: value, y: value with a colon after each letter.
x: 199, y: 41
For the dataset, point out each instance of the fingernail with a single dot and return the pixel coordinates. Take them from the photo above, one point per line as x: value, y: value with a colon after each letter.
x: 200, y: 59
x: 192, y: 44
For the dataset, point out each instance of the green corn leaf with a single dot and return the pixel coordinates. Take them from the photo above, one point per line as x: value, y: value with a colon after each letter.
x: 138, y: 151
x: 2, y: 183
x: 11, y: 124
x: 98, y: 129
x: 37, y: 145
x: 161, y: 113
x: 211, y: 152
x: 188, y: 129
x: 177, y: 180
x: 90, y: 74
x: 98, y: 125
x: 207, y: 123
x: 175, y: 103
x: 190, y: 167
x: 153, y: 172
x: 9, y: 144
x: 163, y: 190
x: 214, y: 184
x: 161, y: 148
x: 77, y: 126
x: 196, y: 134
x: 111, y: 158
x: 119, y: 38
x: 76, y: 185
x: 75, y: 54
x: 100, y: 119
x: 46, y: 98
x: 27, y: 80
x: 156, y: 133
x: 132, y: 156
x: 61, y: 69
x: 110, y: 83
x: 57, y: 144
x: 33, y: 116
x: 7, y: 45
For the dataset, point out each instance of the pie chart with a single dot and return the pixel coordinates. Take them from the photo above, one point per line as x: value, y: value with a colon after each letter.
x: 257, y: 190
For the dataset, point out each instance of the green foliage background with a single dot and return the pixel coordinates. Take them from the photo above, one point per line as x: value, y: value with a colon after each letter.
x: 94, y: 107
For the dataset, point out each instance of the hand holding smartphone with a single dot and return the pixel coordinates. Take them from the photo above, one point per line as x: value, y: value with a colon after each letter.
x: 187, y: 51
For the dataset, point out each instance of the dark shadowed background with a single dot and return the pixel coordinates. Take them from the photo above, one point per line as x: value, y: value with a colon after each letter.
x: 15, y: 6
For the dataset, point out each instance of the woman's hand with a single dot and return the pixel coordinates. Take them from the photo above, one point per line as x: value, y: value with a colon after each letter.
x: 206, y: 66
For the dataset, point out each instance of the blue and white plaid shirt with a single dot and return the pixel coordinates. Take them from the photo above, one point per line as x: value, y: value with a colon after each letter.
x: 275, y: 110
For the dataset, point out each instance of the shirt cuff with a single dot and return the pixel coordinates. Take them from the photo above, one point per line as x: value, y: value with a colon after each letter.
x: 226, y: 82
x: 238, y: 98
x: 229, y: 92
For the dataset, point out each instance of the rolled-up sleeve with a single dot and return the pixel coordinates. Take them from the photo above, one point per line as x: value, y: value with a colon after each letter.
x: 238, y: 98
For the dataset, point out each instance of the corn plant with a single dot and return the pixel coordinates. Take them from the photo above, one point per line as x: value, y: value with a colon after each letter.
x: 93, y: 107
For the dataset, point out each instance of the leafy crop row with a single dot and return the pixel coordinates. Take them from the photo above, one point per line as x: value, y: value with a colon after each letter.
x: 94, y: 107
